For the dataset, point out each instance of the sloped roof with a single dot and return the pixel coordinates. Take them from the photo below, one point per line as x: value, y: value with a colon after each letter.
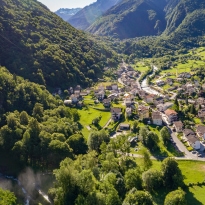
x: 156, y: 115
x: 170, y: 112
x: 200, y: 129
x: 116, y: 110
x: 178, y: 124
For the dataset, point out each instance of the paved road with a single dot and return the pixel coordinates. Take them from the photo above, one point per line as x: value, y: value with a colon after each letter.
x: 161, y: 158
x: 181, y: 146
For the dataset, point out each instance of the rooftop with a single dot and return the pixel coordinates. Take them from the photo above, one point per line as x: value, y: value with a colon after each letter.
x: 170, y: 112
x: 178, y: 124
x: 143, y: 108
x: 116, y: 110
x: 190, y: 135
x: 156, y: 115
x: 200, y: 129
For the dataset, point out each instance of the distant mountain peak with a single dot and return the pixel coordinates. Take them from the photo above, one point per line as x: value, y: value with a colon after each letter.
x: 85, y: 17
x: 66, y: 13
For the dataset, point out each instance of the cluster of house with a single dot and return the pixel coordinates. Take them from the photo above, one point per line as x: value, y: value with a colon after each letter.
x: 76, y: 95
x: 127, y: 70
x: 170, y: 81
x: 190, y: 136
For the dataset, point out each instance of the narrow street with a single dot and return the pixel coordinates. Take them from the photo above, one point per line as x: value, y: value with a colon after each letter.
x: 181, y: 146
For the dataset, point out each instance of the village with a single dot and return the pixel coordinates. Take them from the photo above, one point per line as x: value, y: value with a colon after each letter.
x: 129, y: 99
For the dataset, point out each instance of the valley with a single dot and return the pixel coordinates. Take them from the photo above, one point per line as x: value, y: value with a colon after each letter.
x: 110, y: 113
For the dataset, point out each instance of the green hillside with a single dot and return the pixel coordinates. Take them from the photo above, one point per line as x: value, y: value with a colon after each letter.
x: 140, y: 18
x: 178, y: 11
x: 131, y: 18
x: 22, y: 95
x: 38, y: 45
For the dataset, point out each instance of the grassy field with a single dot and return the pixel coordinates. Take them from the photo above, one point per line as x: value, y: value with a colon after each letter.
x: 87, y: 115
x: 140, y: 66
x: 188, y: 64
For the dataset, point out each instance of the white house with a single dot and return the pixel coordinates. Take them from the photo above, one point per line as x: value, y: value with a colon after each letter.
x: 128, y: 99
x: 129, y: 111
x: 67, y: 102
x: 114, y: 87
x: 156, y: 118
x: 191, y: 138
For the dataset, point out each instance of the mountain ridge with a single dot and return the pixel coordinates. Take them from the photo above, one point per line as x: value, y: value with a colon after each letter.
x: 41, y: 47
x: 138, y: 18
x: 66, y: 13
x: 85, y: 17
x: 131, y: 18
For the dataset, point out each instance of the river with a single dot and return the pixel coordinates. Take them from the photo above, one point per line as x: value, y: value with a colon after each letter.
x: 145, y: 86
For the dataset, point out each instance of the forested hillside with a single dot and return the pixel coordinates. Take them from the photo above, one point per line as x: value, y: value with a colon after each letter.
x: 130, y: 19
x: 137, y: 18
x: 184, y: 10
x: 84, y: 18
x: 36, y: 128
x: 38, y: 45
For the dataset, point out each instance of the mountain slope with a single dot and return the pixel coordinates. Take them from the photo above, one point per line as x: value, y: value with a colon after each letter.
x: 38, y: 45
x: 181, y: 9
x: 132, y: 18
x: 19, y: 94
x: 84, y: 18
x: 66, y: 14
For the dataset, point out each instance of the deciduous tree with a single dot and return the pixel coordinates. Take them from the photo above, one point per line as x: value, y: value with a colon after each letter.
x: 175, y: 198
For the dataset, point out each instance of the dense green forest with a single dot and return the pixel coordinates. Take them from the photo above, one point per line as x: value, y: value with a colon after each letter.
x: 36, y: 128
x: 40, y: 46
x: 130, y: 19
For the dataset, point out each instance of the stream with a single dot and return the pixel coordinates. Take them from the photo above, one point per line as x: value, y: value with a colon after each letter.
x: 146, y: 87
x: 27, y: 187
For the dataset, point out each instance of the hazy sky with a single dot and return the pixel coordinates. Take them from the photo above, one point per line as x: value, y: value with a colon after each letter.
x: 54, y: 5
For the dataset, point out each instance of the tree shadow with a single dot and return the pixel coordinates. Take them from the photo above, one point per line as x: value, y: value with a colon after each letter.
x: 174, y: 150
x: 80, y: 126
x: 160, y: 195
x: 190, y: 197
